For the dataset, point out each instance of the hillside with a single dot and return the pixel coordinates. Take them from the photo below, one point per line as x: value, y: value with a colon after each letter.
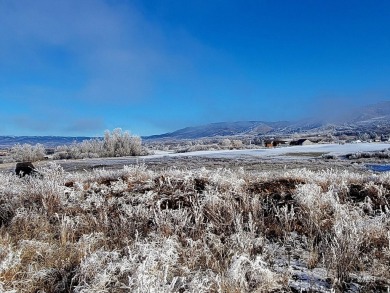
x: 376, y: 112
x: 369, y: 119
x: 224, y: 129
x: 47, y: 141
x: 372, y: 118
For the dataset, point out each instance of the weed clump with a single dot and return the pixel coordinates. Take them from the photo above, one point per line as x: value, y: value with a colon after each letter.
x: 195, y: 230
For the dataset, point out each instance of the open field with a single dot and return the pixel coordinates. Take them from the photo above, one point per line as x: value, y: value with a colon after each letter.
x: 195, y: 230
x: 254, y: 155
x: 262, y: 159
x: 212, y: 222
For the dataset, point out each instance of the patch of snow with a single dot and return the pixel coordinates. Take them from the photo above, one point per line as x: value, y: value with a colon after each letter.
x: 333, y: 149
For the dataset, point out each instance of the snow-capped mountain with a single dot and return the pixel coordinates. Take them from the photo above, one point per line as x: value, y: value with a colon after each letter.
x: 371, y: 118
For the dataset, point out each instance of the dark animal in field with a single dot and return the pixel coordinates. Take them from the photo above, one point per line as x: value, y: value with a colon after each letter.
x: 25, y: 168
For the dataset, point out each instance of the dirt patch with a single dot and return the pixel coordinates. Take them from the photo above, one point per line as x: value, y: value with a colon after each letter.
x: 277, y: 188
x: 359, y: 193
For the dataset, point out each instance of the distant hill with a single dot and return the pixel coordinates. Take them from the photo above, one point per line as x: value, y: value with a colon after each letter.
x: 241, y: 128
x: 375, y: 112
x: 47, y: 141
x: 223, y: 129
x: 372, y: 118
x: 369, y: 118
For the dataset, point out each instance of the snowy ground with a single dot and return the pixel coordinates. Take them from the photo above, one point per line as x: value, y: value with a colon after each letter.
x: 334, y: 149
x: 280, y: 154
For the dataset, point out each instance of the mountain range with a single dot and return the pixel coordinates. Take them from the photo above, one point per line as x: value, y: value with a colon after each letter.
x: 47, y: 141
x: 372, y: 118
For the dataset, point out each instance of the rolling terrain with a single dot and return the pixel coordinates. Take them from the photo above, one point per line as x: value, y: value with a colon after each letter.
x: 47, y: 141
x: 370, y: 119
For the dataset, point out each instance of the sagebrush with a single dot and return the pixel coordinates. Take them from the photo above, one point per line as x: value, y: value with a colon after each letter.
x: 116, y: 143
x: 201, y: 230
x: 27, y: 153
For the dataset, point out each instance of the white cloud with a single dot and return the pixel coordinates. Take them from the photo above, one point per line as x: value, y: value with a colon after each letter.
x: 118, y: 52
x: 92, y: 125
x: 35, y: 124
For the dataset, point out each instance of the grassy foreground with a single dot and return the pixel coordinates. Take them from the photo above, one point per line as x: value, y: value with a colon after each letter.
x: 139, y: 230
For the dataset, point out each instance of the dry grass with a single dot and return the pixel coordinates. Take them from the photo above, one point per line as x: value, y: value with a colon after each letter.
x: 196, y: 230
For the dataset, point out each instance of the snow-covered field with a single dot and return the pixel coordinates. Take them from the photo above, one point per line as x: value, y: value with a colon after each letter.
x: 198, y: 228
x: 334, y: 149
x: 289, y: 153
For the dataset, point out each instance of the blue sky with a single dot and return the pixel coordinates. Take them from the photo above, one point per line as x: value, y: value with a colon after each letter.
x: 71, y: 67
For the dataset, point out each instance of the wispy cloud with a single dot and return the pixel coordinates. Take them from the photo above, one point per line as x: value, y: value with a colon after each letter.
x: 333, y: 107
x: 86, y: 126
x: 118, y: 52
x: 72, y: 60
x: 71, y: 54
x: 33, y: 124
x: 102, y: 41
x: 51, y: 125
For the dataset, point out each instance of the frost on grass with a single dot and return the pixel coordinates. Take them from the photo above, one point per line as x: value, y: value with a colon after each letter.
x: 198, y: 230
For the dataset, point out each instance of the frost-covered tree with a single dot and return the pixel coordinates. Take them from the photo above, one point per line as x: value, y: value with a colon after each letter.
x: 364, y: 137
x: 120, y: 143
x: 27, y: 152
x: 91, y: 148
x: 226, y: 142
x: 258, y: 141
x: 114, y: 144
x: 237, y: 144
